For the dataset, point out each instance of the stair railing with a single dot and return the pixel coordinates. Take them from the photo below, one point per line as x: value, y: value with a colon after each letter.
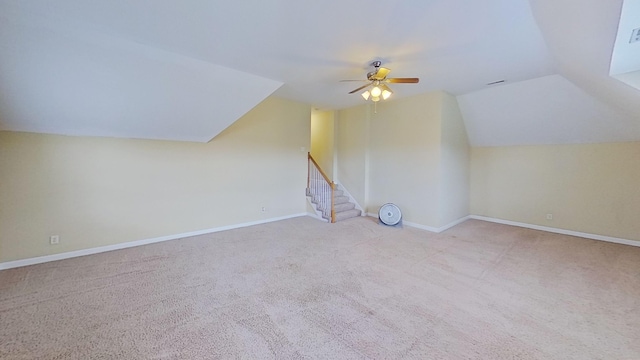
x: 321, y: 189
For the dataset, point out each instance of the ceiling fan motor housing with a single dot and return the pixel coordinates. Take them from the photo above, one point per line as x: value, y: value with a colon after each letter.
x: 378, y: 77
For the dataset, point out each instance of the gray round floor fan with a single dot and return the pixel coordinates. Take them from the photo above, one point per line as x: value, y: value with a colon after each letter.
x: 390, y: 214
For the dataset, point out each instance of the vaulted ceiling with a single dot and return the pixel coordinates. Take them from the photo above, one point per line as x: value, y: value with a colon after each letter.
x: 185, y: 70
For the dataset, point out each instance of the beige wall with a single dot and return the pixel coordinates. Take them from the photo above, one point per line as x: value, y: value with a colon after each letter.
x: 454, y: 163
x: 590, y: 188
x: 101, y: 191
x: 352, y: 145
x: 322, y: 139
x: 403, y: 154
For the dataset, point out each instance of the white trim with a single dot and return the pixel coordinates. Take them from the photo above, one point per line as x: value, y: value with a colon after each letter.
x: 351, y: 198
x: 101, y: 249
x: 453, y: 223
x: 559, y: 231
x: 429, y: 228
x: 420, y: 226
x: 317, y: 217
x: 318, y: 213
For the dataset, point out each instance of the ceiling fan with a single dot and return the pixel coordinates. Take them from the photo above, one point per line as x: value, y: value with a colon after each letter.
x: 378, y: 80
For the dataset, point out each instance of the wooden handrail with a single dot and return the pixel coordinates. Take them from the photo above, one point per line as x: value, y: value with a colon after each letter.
x: 331, y: 184
x: 326, y: 178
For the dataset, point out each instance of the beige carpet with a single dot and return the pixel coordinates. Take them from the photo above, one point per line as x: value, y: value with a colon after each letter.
x: 302, y: 288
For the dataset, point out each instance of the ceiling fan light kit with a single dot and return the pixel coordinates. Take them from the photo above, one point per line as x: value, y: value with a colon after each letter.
x: 376, y: 92
x: 378, y: 82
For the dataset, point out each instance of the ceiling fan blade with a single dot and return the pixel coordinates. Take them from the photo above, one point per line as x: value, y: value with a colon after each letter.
x: 381, y: 74
x: 352, y: 80
x: 360, y: 88
x: 403, y: 80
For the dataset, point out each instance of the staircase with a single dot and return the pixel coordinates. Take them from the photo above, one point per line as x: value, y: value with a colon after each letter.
x: 342, y: 207
x: 329, y: 201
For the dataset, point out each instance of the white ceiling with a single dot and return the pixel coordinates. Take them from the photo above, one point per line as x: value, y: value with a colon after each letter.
x: 581, y: 35
x: 545, y: 110
x: 185, y: 70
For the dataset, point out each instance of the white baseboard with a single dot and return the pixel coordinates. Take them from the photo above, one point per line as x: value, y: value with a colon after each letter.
x: 101, y: 249
x: 430, y: 228
x: 523, y: 225
x: 318, y: 217
x: 559, y: 231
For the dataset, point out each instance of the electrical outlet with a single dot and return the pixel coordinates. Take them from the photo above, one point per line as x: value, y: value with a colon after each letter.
x: 54, y: 239
x: 549, y: 216
x: 264, y: 209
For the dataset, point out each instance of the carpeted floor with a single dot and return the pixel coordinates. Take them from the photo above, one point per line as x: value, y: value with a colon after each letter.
x: 301, y: 288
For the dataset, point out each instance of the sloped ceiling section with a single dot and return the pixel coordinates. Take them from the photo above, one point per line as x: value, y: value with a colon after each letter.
x: 185, y: 70
x: 58, y: 78
x: 581, y: 35
x: 581, y: 104
x: 163, y: 69
x: 546, y: 110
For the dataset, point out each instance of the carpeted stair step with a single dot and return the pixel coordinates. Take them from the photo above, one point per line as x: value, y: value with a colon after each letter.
x: 344, y: 206
x: 340, y: 200
x: 344, y: 215
x: 338, y: 196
